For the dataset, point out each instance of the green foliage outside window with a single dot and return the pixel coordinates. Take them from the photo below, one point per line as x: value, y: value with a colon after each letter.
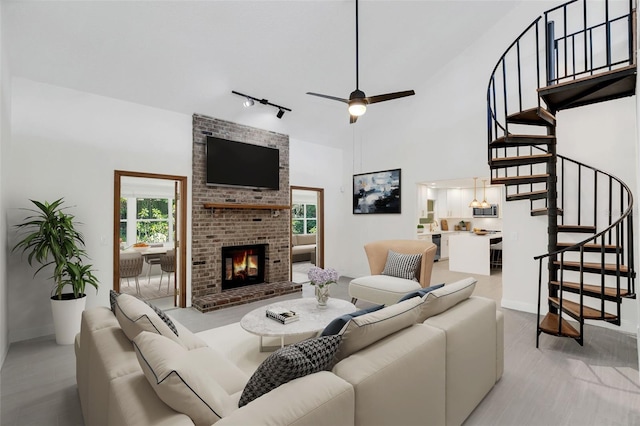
x: 303, y: 219
x: 152, y: 224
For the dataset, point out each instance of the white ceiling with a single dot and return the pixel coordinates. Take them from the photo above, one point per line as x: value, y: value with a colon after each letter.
x: 188, y: 56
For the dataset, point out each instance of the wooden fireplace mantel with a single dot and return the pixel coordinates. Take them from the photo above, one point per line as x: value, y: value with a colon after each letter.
x: 246, y: 206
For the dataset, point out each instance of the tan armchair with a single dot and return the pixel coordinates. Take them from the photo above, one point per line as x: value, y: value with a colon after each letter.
x: 384, y: 289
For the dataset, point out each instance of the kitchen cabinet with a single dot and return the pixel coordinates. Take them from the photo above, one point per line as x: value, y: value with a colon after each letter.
x: 456, y: 201
x: 424, y: 237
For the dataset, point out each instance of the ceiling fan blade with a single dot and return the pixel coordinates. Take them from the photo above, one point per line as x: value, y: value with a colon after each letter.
x: 352, y: 118
x: 389, y: 96
x: 333, y: 98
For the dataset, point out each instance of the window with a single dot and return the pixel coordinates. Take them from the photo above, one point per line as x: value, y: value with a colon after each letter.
x: 148, y: 220
x: 303, y: 219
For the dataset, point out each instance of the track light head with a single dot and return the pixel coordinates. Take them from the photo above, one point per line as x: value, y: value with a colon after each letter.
x: 280, y: 113
x: 248, y: 102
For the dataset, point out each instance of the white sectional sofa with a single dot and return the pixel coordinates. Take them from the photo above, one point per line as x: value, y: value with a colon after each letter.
x: 434, y: 372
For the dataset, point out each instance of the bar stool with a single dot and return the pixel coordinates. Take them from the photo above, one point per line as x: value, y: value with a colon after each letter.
x: 495, y: 254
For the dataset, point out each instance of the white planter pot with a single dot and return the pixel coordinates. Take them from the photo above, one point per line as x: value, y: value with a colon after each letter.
x: 66, y: 318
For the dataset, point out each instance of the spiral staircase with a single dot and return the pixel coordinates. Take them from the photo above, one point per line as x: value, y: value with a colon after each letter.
x: 576, y: 54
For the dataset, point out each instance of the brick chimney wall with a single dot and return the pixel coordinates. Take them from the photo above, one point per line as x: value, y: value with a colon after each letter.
x: 214, y: 228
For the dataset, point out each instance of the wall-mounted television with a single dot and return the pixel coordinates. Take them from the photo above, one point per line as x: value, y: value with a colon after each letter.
x: 231, y: 163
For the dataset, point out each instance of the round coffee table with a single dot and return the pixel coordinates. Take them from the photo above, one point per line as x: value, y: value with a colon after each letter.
x: 312, y: 319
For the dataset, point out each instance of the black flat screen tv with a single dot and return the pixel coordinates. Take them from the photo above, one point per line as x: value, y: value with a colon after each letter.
x: 231, y: 163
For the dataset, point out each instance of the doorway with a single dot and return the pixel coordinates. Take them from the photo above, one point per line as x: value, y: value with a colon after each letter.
x: 149, y: 224
x: 307, y: 231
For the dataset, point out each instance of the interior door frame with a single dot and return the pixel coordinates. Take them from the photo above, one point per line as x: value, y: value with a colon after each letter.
x: 181, y: 228
x: 319, y: 218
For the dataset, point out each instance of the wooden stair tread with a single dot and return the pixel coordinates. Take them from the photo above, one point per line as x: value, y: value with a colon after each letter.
x: 591, y: 89
x: 519, y: 180
x: 609, y: 292
x: 549, y: 325
x: 543, y: 211
x: 521, y: 140
x: 521, y: 160
x: 609, y: 267
x: 590, y: 247
x: 536, y: 116
x: 533, y: 195
x: 587, y: 229
x: 573, y: 308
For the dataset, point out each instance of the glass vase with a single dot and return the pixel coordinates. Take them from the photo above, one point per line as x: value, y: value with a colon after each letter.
x: 322, y: 295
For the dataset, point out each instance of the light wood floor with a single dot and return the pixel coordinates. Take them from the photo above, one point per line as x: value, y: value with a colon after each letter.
x: 559, y: 384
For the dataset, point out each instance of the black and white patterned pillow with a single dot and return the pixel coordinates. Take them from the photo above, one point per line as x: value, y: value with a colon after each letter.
x: 112, y: 300
x: 163, y: 317
x: 402, y: 265
x: 291, y: 362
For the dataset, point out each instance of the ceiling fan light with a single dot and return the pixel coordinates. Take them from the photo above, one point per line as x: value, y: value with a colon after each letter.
x: 357, y: 108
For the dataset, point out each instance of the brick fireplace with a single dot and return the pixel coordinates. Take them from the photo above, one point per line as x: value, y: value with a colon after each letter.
x: 238, y: 217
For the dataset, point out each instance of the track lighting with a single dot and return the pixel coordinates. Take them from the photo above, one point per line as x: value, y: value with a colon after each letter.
x: 250, y: 101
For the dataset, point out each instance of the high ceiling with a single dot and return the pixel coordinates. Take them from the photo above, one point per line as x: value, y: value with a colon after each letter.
x: 188, y: 56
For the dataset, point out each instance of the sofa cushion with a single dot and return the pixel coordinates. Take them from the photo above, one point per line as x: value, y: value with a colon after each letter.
x: 446, y: 297
x: 402, y: 265
x: 291, y: 362
x: 135, y: 316
x: 420, y: 293
x: 305, y: 239
x: 366, y: 329
x: 199, y: 383
x: 336, y: 325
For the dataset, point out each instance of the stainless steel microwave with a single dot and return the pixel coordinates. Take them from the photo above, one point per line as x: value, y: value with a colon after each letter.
x: 491, y: 211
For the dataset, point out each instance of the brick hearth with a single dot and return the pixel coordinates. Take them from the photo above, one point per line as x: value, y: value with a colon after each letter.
x: 213, y: 228
x: 244, y: 295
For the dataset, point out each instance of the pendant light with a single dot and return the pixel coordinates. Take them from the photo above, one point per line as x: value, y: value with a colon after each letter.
x: 484, y: 203
x: 475, y: 202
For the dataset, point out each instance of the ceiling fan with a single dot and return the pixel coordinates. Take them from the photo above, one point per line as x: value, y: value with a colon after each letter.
x: 358, y: 101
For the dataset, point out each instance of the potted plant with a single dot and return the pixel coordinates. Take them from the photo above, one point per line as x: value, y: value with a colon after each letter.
x: 50, y: 238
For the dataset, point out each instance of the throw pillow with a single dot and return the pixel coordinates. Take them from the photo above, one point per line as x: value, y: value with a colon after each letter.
x: 367, y: 329
x: 338, y: 324
x: 201, y: 383
x: 444, y: 298
x: 420, y: 293
x: 112, y: 300
x: 291, y: 362
x: 164, y: 317
x: 135, y: 316
x: 402, y: 265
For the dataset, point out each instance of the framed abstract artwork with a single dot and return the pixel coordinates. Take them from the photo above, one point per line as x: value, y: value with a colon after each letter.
x: 376, y: 192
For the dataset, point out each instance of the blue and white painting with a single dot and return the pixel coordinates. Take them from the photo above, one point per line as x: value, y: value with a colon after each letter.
x: 377, y: 192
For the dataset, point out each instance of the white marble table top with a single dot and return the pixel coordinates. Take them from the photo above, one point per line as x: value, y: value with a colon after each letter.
x: 312, y: 318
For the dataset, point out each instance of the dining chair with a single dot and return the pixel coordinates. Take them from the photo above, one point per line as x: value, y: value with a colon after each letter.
x: 168, y: 265
x: 131, y: 267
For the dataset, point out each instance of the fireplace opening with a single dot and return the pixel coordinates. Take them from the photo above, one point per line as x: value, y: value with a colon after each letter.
x: 243, y: 265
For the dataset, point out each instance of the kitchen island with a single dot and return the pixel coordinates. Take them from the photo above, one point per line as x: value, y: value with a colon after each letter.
x: 470, y: 253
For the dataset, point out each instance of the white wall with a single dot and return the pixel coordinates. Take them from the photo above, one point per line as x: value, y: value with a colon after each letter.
x: 318, y: 166
x: 5, y: 133
x: 67, y: 144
